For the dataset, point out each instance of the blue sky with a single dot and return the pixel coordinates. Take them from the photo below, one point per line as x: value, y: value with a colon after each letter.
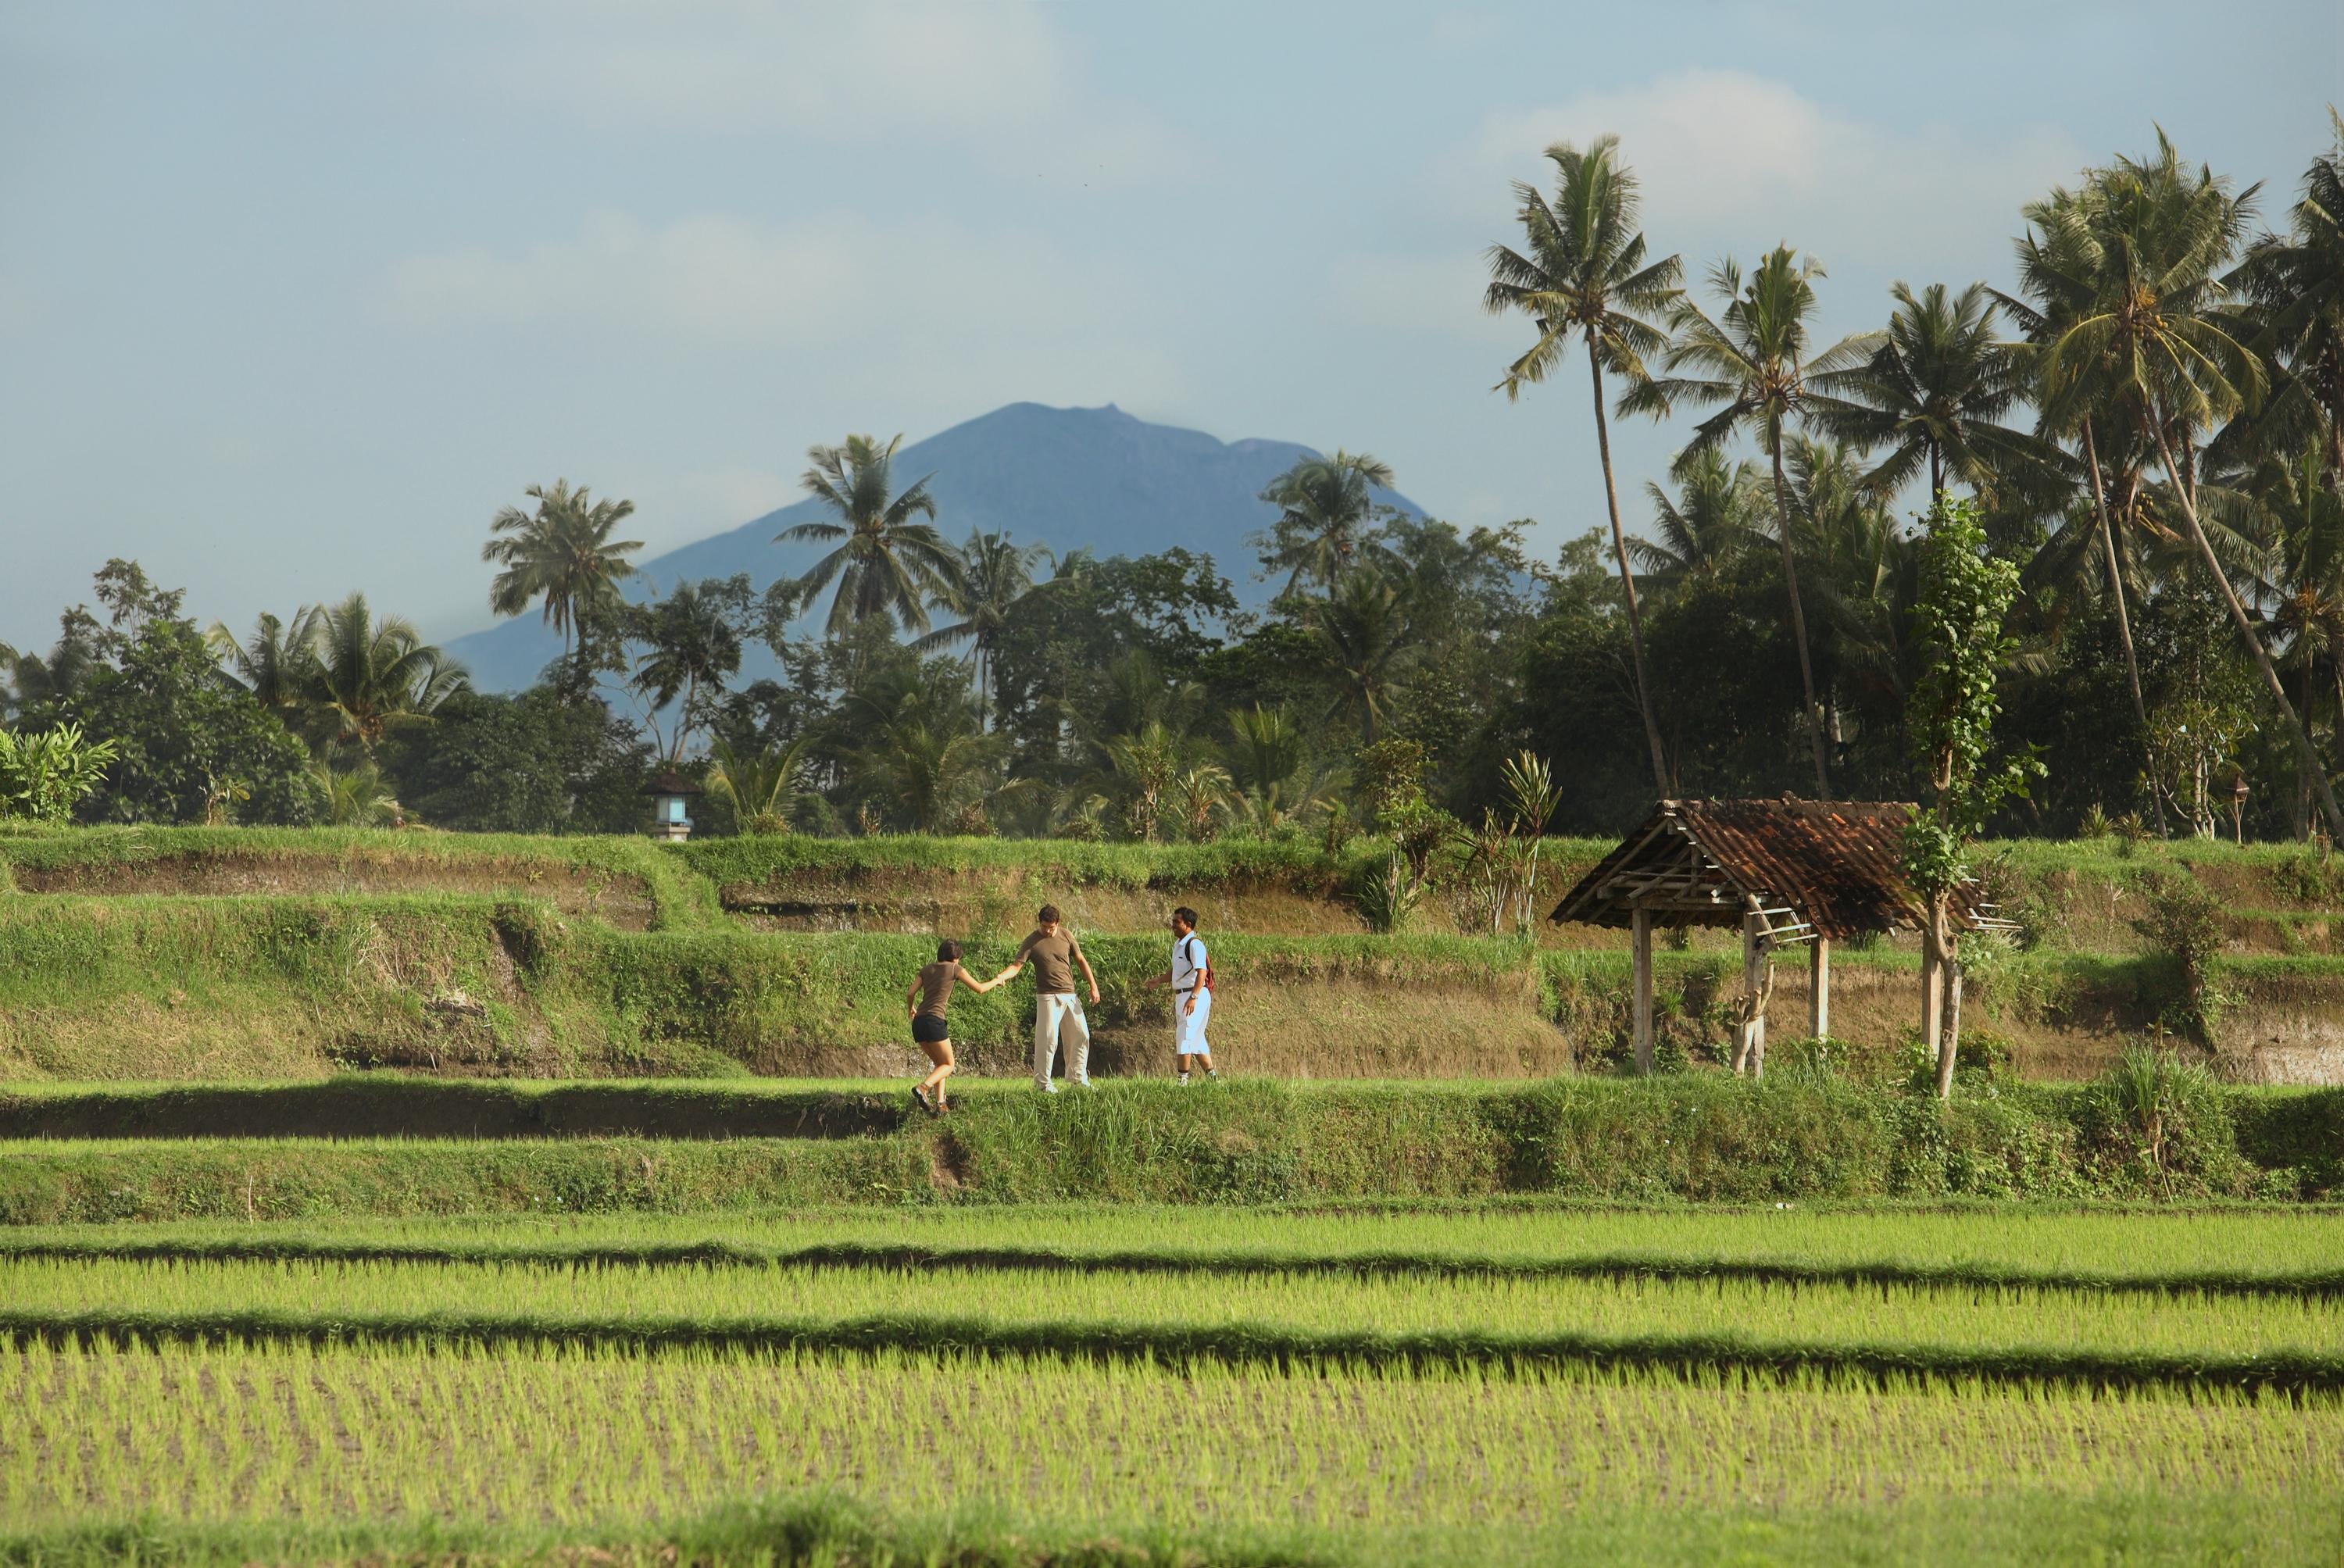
x: 293, y: 297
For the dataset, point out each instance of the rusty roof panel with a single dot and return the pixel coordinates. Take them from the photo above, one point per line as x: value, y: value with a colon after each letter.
x: 1839, y: 862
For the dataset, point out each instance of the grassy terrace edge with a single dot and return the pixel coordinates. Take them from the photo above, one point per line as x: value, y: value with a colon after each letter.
x: 1174, y: 1344
x: 1691, y: 1137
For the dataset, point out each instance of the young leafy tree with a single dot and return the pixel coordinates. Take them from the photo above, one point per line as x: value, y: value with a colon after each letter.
x: 887, y: 564
x: 1755, y: 363
x: 1965, y: 595
x: 44, y: 776
x: 1583, y: 274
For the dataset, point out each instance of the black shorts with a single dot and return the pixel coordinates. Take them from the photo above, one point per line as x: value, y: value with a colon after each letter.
x: 927, y: 1029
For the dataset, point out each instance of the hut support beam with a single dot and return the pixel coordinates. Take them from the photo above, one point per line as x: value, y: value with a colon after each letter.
x: 1750, y: 1044
x: 1641, y: 1010
x: 1819, y: 988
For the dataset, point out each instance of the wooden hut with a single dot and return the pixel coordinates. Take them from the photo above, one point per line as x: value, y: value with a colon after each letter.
x: 1789, y: 873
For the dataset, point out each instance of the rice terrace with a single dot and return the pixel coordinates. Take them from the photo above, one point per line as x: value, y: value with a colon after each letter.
x: 1727, y: 949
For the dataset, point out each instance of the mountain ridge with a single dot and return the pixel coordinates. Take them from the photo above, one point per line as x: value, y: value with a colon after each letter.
x: 1067, y: 478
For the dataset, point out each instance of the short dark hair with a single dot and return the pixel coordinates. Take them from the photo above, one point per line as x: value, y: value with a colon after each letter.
x: 947, y: 952
x: 1186, y: 916
x: 1047, y: 915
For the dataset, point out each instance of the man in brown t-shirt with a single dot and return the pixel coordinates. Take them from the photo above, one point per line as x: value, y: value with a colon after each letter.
x: 1056, y: 955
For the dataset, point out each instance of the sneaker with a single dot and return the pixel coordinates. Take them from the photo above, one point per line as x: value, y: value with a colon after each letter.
x: 1183, y: 1080
x: 920, y: 1098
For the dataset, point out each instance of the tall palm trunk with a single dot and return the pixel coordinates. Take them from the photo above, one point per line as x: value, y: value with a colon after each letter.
x: 1798, y: 615
x: 1627, y: 581
x: 2124, y: 617
x: 2245, y: 630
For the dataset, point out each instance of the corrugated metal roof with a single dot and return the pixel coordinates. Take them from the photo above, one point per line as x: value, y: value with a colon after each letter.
x: 1838, y: 863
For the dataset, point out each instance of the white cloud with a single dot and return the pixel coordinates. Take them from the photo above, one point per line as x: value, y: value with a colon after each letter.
x: 1728, y: 157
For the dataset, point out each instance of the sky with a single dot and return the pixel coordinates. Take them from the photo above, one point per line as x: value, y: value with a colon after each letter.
x: 294, y: 297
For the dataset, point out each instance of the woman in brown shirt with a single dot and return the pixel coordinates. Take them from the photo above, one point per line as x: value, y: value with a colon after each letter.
x: 928, y: 998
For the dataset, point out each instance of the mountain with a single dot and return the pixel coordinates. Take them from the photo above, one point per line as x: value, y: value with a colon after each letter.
x: 1062, y: 477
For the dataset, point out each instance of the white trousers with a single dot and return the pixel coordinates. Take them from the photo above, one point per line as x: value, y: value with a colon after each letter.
x: 1188, y: 1028
x: 1059, y: 1015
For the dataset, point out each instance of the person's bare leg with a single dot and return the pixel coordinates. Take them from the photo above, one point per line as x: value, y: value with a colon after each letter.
x: 941, y: 1053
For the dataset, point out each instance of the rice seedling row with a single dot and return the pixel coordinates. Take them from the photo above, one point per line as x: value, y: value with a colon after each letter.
x: 602, y: 1435
x: 2198, y: 1249
x: 911, y: 1257
x: 2181, y: 1323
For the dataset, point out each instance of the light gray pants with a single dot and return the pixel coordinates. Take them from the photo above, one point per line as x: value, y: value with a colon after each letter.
x: 1058, y: 1015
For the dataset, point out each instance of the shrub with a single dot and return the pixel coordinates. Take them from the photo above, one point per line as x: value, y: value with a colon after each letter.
x: 1387, y: 894
x: 2162, y: 1122
x: 2184, y: 924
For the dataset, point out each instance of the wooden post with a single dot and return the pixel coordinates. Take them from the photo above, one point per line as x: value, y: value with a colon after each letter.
x: 1819, y: 988
x: 1641, y: 1008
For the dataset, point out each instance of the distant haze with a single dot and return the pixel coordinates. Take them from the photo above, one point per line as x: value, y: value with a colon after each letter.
x: 1066, y: 478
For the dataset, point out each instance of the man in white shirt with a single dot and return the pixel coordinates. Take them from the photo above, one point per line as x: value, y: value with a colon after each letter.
x: 1191, y: 979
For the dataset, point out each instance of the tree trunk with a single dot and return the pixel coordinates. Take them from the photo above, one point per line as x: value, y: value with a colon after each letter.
x: 1952, y: 1057
x: 1814, y: 712
x: 1627, y: 584
x: 2123, y: 618
x: 2302, y: 823
x: 2245, y: 630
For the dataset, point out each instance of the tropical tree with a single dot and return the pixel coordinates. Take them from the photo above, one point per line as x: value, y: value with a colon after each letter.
x: 2061, y: 265
x: 1756, y: 365
x: 694, y: 636
x: 1201, y: 796
x: 886, y: 562
x: 358, y: 795
x: 1583, y: 274
x: 1710, y: 521
x: 1934, y: 394
x: 1146, y: 764
x: 932, y: 775
x: 996, y: 575
x: 278, y: 663
x: 2296, y: 283
x: 371, y: 673
x: 762, y: 786
x: 561, y: 555
x: 1363, y: 632
x: 1324, y: 505
x: 2161, y: 326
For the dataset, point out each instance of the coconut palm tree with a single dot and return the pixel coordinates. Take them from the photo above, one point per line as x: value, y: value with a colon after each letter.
x: 1932, y: 394
x: 1583, y: 275
x: 931, y: 773
x: 2060, y: 263
x: 358, y: 795
x: 275, y: 665
x: 2161, y: 326
x: 562, y: 555
x: 372, y: 673
x: 1757, y: 366
x: 994, y: 576
x: 2297, y: 285
x: 1712, y: 519
x: 762, y: 785
x: 694, y: 646
x: 2306, y: 575
x: 1363, y: 632
x: 1324, y: 505
x: 887, y: 564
